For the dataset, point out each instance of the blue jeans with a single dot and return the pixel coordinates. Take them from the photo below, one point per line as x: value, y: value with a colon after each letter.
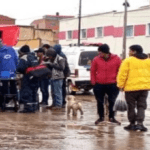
x: 44, y: 84
x: 56, y: 88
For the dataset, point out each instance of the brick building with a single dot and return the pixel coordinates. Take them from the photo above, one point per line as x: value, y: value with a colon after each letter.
x: 50, y: 22
x: 4, y: 20
x: 35, y: 37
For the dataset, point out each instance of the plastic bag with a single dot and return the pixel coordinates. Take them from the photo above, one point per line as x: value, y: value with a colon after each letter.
x: 120, y: 104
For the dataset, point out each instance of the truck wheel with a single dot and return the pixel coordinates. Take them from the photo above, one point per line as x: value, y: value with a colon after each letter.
x: 69, y: 89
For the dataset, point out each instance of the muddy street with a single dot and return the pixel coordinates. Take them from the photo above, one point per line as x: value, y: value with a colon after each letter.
x: 53, y: 129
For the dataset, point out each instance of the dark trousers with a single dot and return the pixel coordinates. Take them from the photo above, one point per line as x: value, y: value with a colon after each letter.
x: 44, y: 84
x: 28, y: 93
x: 136, y: 99
x: 99, y: 91
x: 64, y: 91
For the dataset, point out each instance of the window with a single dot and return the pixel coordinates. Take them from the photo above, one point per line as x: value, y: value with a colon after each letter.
x: 129, y: 31
x: 69, y: 34
x: 83, y: 33
x: 87, y: 57
x: 99, y: 31
x: 148, y: 29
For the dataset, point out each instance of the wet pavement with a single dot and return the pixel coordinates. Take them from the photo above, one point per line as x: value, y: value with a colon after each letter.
x: 54, y: 130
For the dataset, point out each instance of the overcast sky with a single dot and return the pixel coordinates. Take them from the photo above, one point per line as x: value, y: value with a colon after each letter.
x: 25, y: 11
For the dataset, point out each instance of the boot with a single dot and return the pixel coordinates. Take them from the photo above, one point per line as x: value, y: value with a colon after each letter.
x: 130, y: 127
x: 99, y: 121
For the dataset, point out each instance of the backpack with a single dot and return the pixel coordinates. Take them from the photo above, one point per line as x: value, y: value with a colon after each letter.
x: 67, y: 71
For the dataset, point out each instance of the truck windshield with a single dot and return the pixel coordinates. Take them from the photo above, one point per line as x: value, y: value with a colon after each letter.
x: 86, y: 58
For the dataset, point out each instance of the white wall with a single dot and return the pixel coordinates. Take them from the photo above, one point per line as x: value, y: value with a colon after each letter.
x: 137, y: 17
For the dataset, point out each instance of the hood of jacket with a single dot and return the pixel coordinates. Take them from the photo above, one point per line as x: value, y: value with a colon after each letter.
x: 57, y: 48
x: 141, y: 56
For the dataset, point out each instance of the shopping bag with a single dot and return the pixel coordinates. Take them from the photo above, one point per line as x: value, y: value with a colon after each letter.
x: 120, y: 103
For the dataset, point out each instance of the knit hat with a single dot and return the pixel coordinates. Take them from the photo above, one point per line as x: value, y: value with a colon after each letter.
x: 104, y: 48
x: 137, y: 48
x: 25, y: 49
x: 51, y: 52
x: 40, y: 50
x: 57, y: 48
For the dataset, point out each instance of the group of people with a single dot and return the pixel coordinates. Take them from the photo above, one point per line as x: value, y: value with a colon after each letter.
x: 52, y: 58
x: 109, y: 74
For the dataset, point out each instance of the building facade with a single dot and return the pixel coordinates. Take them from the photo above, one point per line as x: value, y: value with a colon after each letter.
x: 108, y: 28
x: 4, y: 20
x: 50, y: 22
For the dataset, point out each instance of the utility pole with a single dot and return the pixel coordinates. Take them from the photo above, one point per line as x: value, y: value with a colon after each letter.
x: 79, y: 27
x: 126, y: 5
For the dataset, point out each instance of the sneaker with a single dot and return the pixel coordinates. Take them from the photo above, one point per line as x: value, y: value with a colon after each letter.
x: 141, y: 127
x: 56, y: 108
x: 64, y: 106
x: 50, y: 107
x: 43, y: 103
x: 130, y: 127
x: 99, y: 120
x: 113, y: 120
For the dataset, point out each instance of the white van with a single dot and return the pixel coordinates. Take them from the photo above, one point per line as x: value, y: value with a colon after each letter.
x: 79, y: 60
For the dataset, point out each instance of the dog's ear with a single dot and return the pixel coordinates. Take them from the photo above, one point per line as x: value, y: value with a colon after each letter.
x: 72, y: 97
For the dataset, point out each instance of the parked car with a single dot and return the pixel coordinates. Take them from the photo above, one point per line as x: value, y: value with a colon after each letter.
x: 79, y: 59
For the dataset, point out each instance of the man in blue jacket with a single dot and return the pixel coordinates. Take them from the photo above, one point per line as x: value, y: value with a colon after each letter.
x: 8, y: 64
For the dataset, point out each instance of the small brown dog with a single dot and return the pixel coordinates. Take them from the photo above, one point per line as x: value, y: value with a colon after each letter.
x: 72, y: 104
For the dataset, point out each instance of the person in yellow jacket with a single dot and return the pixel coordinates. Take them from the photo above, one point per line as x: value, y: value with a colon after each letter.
x: 134, y: 79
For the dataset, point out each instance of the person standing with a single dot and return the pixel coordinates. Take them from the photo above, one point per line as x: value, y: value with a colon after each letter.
x: 58, y: 50
x: 29, y: 84
x: 44, y: 82
x: 8, y: 65
x: 104, y: 69
x: 134, y: 79
x: 57, y: 65
x: 46, y: 47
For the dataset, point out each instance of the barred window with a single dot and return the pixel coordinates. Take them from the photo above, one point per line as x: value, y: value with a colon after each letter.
x: 83, y: 33
x: 129, y: 31
x: 99, y: 31
x: 69, y: 34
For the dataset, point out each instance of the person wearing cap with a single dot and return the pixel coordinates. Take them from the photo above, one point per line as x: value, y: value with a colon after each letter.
x: 104, y: 69
x: 44, y: 82
x: 29, y: 84
x: 67, y: 71
x: 46, y: 47
x: 134, y: 79
x: 57, y: 65
x: 8, y: 64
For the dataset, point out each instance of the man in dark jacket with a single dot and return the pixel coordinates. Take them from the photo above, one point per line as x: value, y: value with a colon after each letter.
x: 57, y: 65
x: 44, y: 82
x: 29, y: 85
x: 104, y: 70
x: 58, y: 50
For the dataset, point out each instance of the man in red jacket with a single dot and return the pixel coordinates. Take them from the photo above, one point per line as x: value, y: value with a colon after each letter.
x: 104, y: 70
